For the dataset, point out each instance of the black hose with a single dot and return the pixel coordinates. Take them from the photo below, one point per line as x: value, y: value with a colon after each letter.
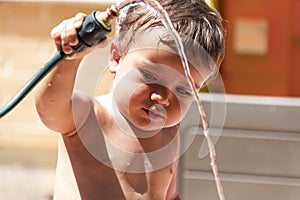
x: 35, y: 79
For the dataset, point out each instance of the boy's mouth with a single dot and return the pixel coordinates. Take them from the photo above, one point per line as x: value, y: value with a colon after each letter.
x: 156, y: 113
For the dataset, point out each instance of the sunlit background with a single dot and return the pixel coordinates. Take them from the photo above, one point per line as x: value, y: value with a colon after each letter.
x: 261, y: 74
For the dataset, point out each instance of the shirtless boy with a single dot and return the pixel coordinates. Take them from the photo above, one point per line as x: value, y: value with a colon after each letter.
x: 125, y: 144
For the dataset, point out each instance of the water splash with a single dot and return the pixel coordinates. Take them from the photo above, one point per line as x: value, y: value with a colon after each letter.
x: 162, y: 13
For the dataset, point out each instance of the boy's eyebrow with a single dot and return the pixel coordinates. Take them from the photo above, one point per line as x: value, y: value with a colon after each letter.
x: 156, y: 66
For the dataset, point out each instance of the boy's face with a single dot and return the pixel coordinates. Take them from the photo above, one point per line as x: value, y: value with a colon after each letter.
x: 151, y: 90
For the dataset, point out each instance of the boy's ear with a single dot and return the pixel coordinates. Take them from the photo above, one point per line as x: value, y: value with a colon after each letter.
x: 115, y: 57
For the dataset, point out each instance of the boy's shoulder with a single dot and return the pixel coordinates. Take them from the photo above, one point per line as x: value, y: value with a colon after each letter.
x: 103, y: 106
x: 104, y: 100
x: 87, y: 108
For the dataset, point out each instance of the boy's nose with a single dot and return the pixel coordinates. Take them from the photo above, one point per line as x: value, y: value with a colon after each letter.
x: 162, y: 98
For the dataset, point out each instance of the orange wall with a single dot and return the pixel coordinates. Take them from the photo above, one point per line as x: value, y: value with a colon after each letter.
x: 274, y: 72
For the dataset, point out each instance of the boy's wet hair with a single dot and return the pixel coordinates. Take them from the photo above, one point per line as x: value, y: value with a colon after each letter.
x: 191, y: 18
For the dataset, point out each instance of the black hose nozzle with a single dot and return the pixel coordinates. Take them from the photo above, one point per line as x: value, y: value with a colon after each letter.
x: 94, y: 29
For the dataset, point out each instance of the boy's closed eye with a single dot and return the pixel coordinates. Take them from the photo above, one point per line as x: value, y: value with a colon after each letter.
x: 183, y: 91
x: 148, y: 76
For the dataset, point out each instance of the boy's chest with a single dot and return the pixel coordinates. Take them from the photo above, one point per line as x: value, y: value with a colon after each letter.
x: 132, y: 155
x: 131, y: 175
x: 144, y: 168
x: 152, y: 185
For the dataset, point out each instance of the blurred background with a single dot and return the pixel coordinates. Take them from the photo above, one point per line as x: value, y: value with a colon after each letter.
x: 261, y: 62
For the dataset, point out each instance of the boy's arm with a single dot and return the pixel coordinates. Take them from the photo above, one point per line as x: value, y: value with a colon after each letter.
x: 53, y: 98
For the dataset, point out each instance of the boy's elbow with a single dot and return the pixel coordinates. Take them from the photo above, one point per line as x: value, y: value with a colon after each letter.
x: 52, y: 118
x: 59, y: 116
x: 46, y: 117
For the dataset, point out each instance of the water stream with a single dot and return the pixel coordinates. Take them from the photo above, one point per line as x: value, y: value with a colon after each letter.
x: 169, y: 25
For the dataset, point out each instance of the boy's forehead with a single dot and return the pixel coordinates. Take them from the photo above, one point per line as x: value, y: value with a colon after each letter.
x: 162, y: 39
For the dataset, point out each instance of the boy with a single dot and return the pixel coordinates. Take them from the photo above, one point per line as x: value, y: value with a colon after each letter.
x: 125, y: 145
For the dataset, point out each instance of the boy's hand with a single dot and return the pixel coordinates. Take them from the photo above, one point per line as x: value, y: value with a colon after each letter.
x: 65, y: 36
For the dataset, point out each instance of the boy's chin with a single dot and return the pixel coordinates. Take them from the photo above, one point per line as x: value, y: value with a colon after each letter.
x: 149, y: 130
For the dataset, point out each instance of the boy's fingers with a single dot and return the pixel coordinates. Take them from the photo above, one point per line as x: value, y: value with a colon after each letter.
x: 78, y: 20
x: 65, y: 34
x: 71, y: 33
x: 65, y: 43
x: 55, y: 34
x: 68, y: 36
